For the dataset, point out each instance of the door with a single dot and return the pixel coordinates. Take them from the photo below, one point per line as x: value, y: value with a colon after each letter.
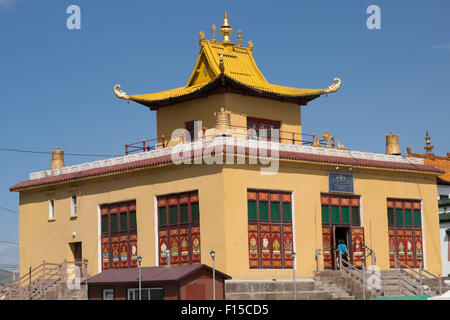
x: 77, y: 254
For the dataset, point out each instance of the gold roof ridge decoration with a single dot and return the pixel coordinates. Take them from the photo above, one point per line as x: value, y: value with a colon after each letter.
x: 226, y: 64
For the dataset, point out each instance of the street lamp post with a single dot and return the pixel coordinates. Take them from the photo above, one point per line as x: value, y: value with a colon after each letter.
x: 213, y: 256
x: 140, y: 275
x: 293, y: 275
x: 168, y: 257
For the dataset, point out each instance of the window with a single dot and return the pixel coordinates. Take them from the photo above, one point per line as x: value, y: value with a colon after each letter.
x: 74, y: 205
x: 270, y: 241
x: 254, y: 127
x: 146, y: 294
x: 108, y: 294
x: 405, y: 232
x: 443, y: 196
x: 340, y: 210
x: 119, y: 235
x: 51, y: 209
x: 179, y: 228
x: 190, y: 126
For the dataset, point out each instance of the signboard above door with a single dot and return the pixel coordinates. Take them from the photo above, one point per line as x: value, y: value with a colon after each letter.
x: 340, y: 182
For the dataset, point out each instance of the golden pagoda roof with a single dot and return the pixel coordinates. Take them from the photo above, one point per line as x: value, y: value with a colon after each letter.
x: 224, y: 64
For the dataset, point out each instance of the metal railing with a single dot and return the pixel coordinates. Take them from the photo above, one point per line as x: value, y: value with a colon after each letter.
x: 287, y: 137
x: 418, y: 276
x: 36, y: 282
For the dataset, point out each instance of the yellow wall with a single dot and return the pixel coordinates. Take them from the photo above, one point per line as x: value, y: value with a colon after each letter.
x: 223, y: 213
x: 240, y: 107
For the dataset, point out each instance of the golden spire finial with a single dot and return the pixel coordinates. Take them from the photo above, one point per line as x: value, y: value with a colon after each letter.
x: 214, y: 33
x: 239, y: 38
x: 250, y: 45
x: 428, y: 146
x: 226, y: 30
x: 202, y: 35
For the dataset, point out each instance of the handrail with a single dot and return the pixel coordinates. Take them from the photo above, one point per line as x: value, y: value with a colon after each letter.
x: 290, y: 136
x: 38, y: 279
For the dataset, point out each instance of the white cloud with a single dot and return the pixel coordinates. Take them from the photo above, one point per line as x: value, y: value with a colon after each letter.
x: 7, y: 3
x: 442, y: 46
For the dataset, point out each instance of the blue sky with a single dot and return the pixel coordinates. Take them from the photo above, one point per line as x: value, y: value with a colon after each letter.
x: 56, y: 84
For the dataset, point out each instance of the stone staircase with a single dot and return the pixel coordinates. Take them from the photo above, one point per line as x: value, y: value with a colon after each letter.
x: 307, y: 289
x: 48, y: 281
x: 391, y: 283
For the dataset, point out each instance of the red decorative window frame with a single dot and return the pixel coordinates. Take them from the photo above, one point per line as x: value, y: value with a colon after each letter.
x: 270, y: 232
x: 119, y: 235
x: 179, y: 228
x: 405, y: 241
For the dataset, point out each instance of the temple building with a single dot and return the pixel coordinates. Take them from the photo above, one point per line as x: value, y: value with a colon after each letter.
x: 443, y: 191
x: 231, y: 171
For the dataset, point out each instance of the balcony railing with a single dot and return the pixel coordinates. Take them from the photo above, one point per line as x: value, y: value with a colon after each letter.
x: 241, y: 132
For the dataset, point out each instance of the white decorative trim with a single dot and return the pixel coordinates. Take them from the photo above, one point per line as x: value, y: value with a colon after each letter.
x: 226, y: 141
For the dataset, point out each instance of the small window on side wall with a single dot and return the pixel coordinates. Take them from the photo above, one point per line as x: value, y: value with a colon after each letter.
x: 51, y: 209
x: 73, y: 205
x: 108, y: 294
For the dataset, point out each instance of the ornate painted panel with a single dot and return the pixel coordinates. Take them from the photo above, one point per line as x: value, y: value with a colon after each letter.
x: 357, y: 247
x: 326, y: 248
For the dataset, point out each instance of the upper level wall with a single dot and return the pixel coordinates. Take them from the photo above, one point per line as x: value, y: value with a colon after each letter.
x: 240, y: 107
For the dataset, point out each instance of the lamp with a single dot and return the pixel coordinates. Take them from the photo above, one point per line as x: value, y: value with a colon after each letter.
x: 293, y: 275
x: 213, y: 256
x: 168, y: 257
x: 139, y: 258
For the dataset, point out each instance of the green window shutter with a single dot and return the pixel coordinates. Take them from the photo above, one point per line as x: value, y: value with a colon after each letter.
x: 105, y: 224
x: 325, y: 213
x: 408, y: 218
x: 275, y: 211
x: 195, y: 212
x: 399, y: 217
x: 133, y: 223
x: 417, y: 222
x: 162, y: 216
x: 287, y: 212
x: 263, y: 210
x: 252, y: 214
x: 346, y: 215
x: 184, y: 213
x: 123, y: 221
x: 355, y: 216
x: 114, y: 222
x: 173, y: 215
x: 390, y: 217
x: 335, y: 219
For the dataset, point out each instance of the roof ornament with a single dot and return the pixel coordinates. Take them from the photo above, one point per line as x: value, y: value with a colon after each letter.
x: 239, y: 38
x: 428, y: 146
x: 335, y: 86
x: 226, y: 30
x: 221, y: 64
x: 119, y: 93
x: 201, y: 35
x: 250, y: 45
x: 214, y: 33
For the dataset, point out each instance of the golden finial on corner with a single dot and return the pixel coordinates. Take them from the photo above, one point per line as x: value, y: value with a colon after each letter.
x: 201, y: 35
x: 214, y: 32
x: 250, y: 45
x: 428, y: 147
x: 226, y: 30
x: 326, y: 135
x: 239, y: 38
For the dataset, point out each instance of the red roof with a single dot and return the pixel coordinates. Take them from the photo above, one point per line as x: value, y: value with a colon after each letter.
x: 287, y: 155
x: 150, y: 274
